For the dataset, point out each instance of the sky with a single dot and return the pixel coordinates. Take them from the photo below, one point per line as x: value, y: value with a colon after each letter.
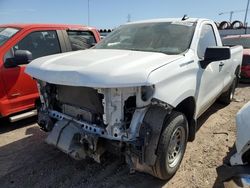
x: 112, y: 13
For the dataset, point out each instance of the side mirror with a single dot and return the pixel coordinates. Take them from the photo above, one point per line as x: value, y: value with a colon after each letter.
x: 21, y: 57
x: 215, y: 54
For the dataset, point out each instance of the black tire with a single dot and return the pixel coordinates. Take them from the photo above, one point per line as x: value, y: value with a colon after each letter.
x: 164, y: 167
x: 228, y: 96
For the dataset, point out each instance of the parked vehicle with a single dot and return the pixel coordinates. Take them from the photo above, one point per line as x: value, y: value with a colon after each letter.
x: 242, y: 156
x: 138, y: 92
x: 21, y: 43
x: 243, y: 40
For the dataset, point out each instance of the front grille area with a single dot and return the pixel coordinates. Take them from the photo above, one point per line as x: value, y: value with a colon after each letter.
x: 83, y: 103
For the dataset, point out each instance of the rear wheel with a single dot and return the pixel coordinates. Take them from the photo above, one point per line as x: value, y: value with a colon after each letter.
x: 228, y: 96
x: 171, y: 146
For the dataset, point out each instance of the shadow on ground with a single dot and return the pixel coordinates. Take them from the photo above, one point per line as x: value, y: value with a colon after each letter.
x: 29, y: 162
x: 6, y: 126
x: 213, y: 109
x: 227, y: 172
x: 244, y: 84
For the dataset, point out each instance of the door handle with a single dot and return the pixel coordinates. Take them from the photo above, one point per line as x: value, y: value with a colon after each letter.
x: 221, y: 64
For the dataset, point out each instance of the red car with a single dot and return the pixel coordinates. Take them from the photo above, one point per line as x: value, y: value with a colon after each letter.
x: 21, y: 43
x: 243, y: 40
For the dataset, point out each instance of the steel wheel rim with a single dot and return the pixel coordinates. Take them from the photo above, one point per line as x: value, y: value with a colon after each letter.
x: 176, y: 146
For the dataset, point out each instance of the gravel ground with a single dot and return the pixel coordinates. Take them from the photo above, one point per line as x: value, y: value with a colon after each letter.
x: 26, y: 161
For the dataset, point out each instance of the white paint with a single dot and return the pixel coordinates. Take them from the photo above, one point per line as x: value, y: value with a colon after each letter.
x: 99, y: 68
x: 243, y: 136
x: 175, y: 77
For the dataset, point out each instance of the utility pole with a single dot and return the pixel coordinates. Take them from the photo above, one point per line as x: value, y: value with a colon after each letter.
x: 231, y: 13
x: 245, y: 20
x: 129, y: 18
x: 231, y: 16
x: 88, y: 14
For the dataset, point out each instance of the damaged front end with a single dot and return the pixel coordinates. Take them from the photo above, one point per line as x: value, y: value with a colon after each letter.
x: 85, y: 121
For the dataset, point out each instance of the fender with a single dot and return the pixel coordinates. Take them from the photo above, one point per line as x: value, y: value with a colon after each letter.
x: 153, y: 120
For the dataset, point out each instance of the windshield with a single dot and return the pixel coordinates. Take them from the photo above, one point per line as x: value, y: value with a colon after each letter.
x: 243, y: 41
x: 6, y: 33
x: 164, y: 37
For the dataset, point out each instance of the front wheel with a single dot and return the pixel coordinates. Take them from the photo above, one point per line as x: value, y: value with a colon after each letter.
x: 172, y: 145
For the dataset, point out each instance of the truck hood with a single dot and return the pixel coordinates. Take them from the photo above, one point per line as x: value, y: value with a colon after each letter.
x: 99, y: 68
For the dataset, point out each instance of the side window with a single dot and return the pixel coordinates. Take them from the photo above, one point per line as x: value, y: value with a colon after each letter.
x: 40, y: 43
x: 81, y: 40
x: 207, y: 38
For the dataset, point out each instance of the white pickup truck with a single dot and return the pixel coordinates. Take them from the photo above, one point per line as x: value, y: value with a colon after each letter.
x: 137, y: 93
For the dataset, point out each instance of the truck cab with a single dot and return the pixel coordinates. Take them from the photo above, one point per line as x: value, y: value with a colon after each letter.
x: 18, y: 91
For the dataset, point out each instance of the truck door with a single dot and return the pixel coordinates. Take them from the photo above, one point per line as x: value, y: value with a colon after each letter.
x: 21, y: 89
x: 210, y: 79
x: 227, y: 67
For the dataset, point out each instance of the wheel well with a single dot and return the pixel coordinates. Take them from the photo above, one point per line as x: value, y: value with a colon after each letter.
x: 187, y: 107
x: 237, y: 74
x: 237, y: 71
x: 245, y: 157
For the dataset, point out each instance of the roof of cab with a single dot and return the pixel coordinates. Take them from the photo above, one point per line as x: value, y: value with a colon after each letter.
x: 35, y: 25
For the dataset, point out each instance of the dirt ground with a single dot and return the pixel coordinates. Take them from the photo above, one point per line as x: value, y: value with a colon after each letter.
x: 26, y: 161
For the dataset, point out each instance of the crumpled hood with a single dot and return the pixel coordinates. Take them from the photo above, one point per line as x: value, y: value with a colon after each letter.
x: 99, y: 68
